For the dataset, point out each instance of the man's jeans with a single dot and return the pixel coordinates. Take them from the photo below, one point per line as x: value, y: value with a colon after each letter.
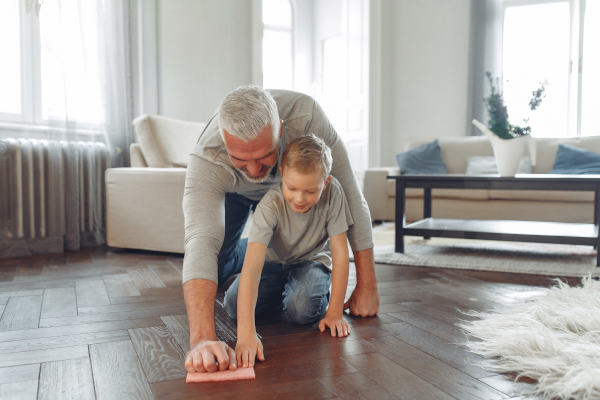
x: 232, y: 253
x: 303, y: 288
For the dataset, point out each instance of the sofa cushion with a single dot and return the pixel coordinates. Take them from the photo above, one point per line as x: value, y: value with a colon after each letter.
x: 547, y: 150
x: 426, y: 159
x: 481, y: 165
x: 573, y: 160
x: 456, y: 150
x: 166, y: 142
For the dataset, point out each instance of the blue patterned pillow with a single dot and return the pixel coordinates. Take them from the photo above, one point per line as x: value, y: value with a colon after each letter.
x: 576, y: 161
x: 426, y: 159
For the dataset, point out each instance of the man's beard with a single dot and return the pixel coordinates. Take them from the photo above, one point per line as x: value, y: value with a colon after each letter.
x: 257, y: 179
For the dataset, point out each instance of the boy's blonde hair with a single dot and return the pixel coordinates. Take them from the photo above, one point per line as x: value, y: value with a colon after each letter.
x: 307, y: 155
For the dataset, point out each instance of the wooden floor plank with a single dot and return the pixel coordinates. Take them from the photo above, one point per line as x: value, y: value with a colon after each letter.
x: 442, y: 312
x: 7, y: 272
x: 30, y: 267
x: 62, y: 341
x: 168, y: 274
x: 147, y: 298
x: 20, y: 373
x: 13, y: 286
x: 266, y: 376
x: 357, y: 387
x: 394, y: 378
x: 319, y: 338
x: 59, y: 302
x: 91, y: 293
x: 449, y: 333
x: 306, y: 390
x: 436, y: 372
x: 80, y: 329
x: 342, y: 348
x: 114, y: 308
x: 120, y: 285
x: 22, y: 293
x: 42, y: 356
x: 118, y: 373
x: 144, y: 278
x: 86, y: 319
x: 392, y: 308
x: 160, y: 355
x: 178, y: 265
x: 21, y: 313
x: 69, y: 379
x: 180, y: 329
x: 397, y: 298
x: 172, y: 290
x: 399, y: 290
x: 449, y: 353
x: 507, y: 385
x: 26, y: 390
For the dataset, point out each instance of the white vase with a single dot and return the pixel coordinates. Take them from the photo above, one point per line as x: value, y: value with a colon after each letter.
x: 508, y: 152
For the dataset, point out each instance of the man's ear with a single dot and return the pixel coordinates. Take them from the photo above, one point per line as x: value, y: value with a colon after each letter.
x: 280, y: 128
x: 327, y: 181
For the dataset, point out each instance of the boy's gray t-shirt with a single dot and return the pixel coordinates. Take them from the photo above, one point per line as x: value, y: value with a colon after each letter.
x: 292, y: 237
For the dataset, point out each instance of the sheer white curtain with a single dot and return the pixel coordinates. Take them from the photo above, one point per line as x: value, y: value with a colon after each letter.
x: 85, y: 82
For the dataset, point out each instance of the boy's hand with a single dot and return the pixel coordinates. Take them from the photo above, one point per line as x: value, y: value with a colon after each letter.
x: 246, y: 349
x: 336, y: 325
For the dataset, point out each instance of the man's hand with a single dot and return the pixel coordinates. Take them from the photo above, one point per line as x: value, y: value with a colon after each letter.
x: 248, y: 348
x: 210, y: 356
x: 363, y: 302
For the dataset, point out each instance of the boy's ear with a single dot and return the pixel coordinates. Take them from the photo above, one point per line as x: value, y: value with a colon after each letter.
x: 280, y: 170
x: 327, y: 181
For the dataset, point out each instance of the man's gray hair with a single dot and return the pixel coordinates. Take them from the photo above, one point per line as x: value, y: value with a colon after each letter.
x: 247, y: 111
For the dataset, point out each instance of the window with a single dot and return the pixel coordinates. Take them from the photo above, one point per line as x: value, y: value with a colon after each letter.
x: 548, y: 40
x: 49, y: 54
x: 277, y: 45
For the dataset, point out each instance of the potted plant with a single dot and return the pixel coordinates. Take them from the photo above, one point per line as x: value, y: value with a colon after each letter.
x: 508, y: 141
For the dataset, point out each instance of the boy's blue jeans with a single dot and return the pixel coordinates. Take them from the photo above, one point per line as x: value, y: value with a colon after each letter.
x: 303, y: 288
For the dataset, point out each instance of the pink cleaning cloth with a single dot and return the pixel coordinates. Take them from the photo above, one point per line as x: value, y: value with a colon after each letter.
x: 227, y: 375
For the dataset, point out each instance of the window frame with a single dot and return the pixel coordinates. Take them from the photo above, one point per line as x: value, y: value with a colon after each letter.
x: 30, y: 119
x: 281, y: 28
x: 577, y: 18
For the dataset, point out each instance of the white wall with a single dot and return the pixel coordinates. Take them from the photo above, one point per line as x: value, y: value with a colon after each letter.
x: 424, y: 70
x: 204, y: 52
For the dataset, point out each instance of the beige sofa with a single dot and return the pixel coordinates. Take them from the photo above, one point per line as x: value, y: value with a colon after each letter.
x: 554, y: 206
x: 144, y: 202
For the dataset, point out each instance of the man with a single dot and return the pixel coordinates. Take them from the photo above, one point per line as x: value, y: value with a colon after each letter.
x: 232, y: 167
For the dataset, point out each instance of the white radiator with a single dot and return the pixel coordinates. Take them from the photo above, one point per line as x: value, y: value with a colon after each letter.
x: 52, y: 196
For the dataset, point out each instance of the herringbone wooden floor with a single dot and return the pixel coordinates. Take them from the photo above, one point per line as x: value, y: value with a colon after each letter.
x: 111, y: 324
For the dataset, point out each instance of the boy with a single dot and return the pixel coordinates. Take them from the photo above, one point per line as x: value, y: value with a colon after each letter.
x: 298, y: 232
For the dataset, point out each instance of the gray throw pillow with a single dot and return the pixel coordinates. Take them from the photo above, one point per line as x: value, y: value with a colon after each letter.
x: 426, y: 159
x: 481, y: 165
x: 577, y: 161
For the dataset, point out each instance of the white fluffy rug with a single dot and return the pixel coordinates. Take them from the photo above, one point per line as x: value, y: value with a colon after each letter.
x: 485, y: 255
x: 554, y: 339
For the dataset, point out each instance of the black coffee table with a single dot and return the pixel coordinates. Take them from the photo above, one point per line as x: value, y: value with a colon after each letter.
x: 514, y: 231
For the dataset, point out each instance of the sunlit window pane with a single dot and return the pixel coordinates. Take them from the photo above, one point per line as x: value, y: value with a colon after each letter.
x: 277, y: 13
x: 277, y: 60
x: 590, y: 112
x: 536, y: 48
x: 69, y: 57
x: 10, y: 64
